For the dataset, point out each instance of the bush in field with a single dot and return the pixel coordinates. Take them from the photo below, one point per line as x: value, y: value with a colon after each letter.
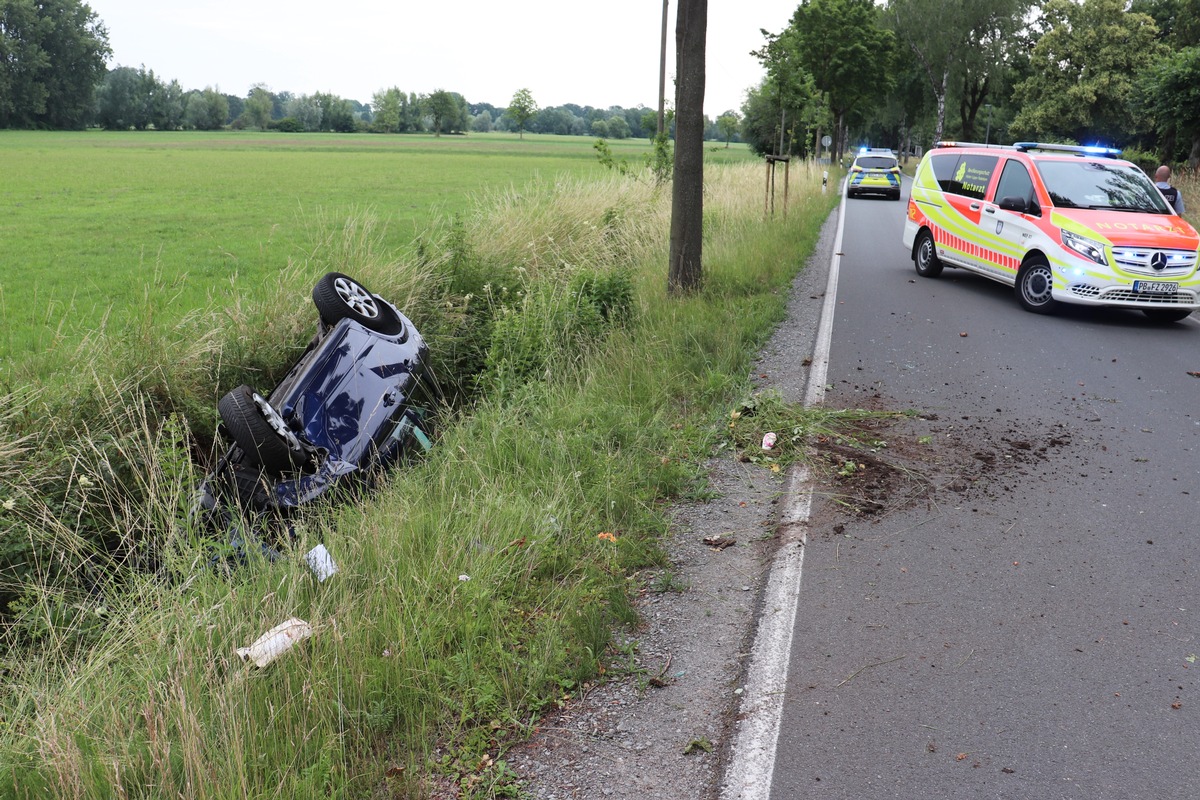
x: 548, y: 325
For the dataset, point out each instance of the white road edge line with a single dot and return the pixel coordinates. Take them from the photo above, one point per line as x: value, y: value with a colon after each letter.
x: 752, y: 760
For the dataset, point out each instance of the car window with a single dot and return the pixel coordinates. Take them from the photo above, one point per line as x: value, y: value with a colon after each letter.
x: 875, y: 162
x: 1100, y: 185
x: 968, y: 175
x: 973, y: 175
x: 1015, y: 182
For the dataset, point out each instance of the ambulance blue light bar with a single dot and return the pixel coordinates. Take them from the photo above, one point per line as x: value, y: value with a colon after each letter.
x: 974, y: 144
x: 1083, y: 150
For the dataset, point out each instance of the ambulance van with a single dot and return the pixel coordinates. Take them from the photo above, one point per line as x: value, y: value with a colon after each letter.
x: 1059, y: 223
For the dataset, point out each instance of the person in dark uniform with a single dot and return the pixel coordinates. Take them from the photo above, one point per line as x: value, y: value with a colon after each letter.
x: 1162, y: 179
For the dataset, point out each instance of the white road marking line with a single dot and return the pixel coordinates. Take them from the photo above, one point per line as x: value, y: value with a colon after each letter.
x: 752, y: 761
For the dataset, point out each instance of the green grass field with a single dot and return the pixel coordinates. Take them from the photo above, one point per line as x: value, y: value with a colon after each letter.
x: 96, y: 223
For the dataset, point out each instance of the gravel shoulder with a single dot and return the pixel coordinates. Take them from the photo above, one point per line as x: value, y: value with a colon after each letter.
x: 659, y: 727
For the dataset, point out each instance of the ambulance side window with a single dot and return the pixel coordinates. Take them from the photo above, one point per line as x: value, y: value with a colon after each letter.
x: 1015, y: 182
x: 943, y: 170
x: 972, y: 176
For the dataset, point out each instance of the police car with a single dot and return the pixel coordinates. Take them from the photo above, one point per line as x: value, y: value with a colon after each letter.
x: 1059, y: 223
x: 874, y: 171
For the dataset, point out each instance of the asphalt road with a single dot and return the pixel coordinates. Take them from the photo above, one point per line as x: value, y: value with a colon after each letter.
x: 1030, y: 627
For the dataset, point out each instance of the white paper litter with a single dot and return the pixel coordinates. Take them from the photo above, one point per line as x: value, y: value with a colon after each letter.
x: 275, y: 642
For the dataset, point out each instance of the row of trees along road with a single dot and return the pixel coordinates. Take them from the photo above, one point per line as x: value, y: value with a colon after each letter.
x: 906, y: 73
x: 53, y: 75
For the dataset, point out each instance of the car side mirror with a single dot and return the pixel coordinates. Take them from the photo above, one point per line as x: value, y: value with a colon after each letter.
x: 1017, y: 204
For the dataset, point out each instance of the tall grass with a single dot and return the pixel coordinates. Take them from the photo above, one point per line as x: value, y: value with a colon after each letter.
x: 1187, y: 181
x: 477, y: 587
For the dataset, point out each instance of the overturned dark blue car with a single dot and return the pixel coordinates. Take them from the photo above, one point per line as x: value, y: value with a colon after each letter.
x: 353, y: 404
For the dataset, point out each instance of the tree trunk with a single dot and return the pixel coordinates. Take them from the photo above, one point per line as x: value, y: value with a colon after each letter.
x: 687, y: 190
x: 1194, y: 155
x: 941, y: 108
x: 972, y: 99
x: 839, y: 136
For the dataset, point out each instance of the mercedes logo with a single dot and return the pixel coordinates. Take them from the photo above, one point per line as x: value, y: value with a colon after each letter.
x: 1158, y: 261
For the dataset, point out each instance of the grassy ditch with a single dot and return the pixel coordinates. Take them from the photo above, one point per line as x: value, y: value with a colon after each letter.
x: 478, y: 587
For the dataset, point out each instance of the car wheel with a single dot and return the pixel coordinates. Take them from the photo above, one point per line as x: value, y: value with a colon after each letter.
x: 257, y: 428
x: 1034, y: 284
x: 1167, y: 314
x: 925, y: 256
x: 339, y: 297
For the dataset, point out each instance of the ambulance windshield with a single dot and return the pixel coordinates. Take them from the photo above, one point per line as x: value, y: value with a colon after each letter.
x: 1078, y: 183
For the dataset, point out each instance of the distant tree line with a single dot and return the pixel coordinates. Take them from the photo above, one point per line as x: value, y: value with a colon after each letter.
x: 53, y: 75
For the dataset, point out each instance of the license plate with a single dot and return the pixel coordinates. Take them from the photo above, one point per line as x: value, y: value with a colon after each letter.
x: 1155, y: 287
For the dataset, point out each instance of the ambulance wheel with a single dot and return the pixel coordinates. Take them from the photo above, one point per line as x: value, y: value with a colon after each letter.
x: 1167, y: 314
x: 925, y: 256
x: 1034, y: 284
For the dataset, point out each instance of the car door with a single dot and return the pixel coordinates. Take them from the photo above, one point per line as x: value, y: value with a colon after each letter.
x: 1009, y: 222
x: 964, y: 190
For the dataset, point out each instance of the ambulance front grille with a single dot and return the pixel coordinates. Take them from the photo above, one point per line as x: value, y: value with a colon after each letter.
x: 1155, y: 263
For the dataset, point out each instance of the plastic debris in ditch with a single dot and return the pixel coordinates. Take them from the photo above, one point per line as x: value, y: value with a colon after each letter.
x: 275, y: 642
x: 321, y: 563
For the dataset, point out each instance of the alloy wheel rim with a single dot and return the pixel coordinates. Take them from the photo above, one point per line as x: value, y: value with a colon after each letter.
x: 356, y: 297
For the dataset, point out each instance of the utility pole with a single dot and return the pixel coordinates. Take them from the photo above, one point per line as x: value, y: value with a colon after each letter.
x: 662, y: 75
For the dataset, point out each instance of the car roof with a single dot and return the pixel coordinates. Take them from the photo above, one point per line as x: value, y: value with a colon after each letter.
x: 876, y: 154
x: 1038, y: 150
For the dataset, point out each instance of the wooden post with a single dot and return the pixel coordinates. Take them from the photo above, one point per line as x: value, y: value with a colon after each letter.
x: 767, y: 192
x: 769, y: 202
x: 787, y: 167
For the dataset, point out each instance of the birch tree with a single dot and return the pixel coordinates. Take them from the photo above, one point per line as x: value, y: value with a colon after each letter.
x: 963, y: 40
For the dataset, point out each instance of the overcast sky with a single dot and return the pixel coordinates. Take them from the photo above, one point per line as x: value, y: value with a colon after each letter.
x: 564, y: 51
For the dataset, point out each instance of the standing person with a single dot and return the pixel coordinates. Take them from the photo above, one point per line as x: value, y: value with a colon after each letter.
x: 1162, y: 179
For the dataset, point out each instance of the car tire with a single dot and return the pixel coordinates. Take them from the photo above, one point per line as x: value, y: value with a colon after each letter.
x: 1167, y: 314
x: 925, y: 257
x: 1034, y: 282
x: 339, y: 297
x: 260, y: 431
